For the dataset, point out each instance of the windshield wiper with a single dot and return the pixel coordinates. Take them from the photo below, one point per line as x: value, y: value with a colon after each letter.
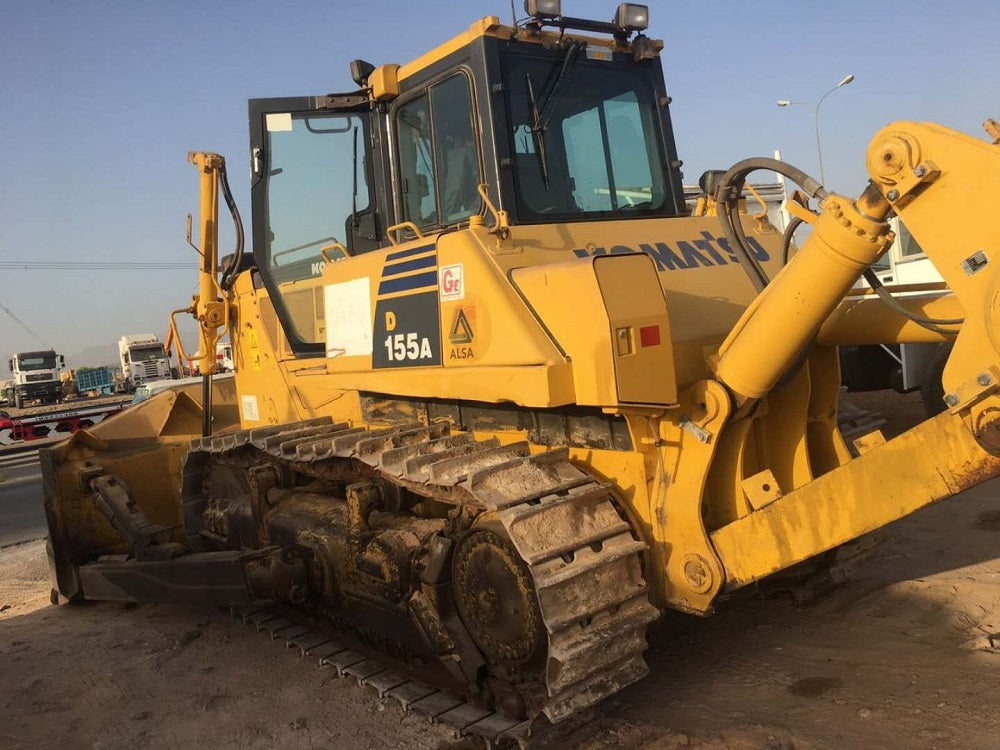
x: 536, y: 131
x: 540, y: 116
x: 548, y: 106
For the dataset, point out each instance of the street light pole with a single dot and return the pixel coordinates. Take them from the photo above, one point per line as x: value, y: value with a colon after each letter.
x: 819, y: 146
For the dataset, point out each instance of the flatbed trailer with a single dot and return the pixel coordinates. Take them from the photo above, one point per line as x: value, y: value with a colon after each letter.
x: 21, y: 425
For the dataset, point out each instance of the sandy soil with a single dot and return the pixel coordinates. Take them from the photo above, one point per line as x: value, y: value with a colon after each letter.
x: 899, y: 656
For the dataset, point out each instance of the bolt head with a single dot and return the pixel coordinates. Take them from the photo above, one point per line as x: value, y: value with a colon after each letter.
x: 951, y: 399
x: 698, y: 573
x: 920, y: 170
x: 892, y: 195
x: 984, y: 379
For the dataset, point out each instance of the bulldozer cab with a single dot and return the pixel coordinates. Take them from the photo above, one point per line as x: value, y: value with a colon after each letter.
x: 560, y: 126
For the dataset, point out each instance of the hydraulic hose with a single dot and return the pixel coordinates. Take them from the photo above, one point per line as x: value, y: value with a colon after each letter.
x: 728, y: 197
x: 206, y: 405
x: 229, y: 273
x: 932, y: 324
x: 786, y: 240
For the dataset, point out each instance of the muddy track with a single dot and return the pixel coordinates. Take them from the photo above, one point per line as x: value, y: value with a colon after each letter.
x: 583, y: 561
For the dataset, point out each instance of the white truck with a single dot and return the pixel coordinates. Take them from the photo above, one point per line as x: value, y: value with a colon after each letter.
x: 35, y: 378
x: 903, y: 367
x: 143, y: 359
x: 224, y: 357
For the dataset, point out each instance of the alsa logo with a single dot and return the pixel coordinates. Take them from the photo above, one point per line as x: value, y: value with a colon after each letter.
x: 452, y: 282
x: 702, y: 253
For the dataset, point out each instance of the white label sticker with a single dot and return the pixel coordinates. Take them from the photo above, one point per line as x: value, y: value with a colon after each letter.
x: 278, y: 121
x: 348, y: 311
x: 250, y: 411
x: 452, y: 282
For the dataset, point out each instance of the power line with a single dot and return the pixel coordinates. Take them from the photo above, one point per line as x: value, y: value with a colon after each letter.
x: 24, y: 326
x: 47, y: 265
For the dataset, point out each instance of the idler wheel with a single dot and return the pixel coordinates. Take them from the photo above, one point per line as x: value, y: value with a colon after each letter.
x: 496, y: 598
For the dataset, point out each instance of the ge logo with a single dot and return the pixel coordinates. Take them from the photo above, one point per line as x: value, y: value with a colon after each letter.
x: 452, y: 282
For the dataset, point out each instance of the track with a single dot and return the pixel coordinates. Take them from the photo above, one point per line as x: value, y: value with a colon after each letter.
x: 440, y: 706
x: 583, y: 561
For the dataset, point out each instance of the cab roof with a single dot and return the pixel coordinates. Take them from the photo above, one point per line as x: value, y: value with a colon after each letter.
x: 491, y: 26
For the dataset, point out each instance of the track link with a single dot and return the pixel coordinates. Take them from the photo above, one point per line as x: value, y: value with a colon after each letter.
x: 279, y: 622
x: 583, y: 560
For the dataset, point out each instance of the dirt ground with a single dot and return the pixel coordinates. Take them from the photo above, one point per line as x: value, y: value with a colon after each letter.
x: 899, y: 656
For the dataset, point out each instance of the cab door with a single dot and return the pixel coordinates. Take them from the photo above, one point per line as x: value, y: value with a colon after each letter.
x: 317, y: 177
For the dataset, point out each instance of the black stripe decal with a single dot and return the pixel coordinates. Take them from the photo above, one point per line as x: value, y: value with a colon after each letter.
x: 407, y: 253
x: 410, y: 265
x: 408, y: 282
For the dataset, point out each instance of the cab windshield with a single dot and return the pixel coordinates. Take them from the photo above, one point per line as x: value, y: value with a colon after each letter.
x: 36, y: 363
x: 149, y: 354
x: 585, y: 137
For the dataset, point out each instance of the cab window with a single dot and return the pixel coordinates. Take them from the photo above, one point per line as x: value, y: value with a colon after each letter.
x: 311, y: 200
x: 438, y: 156
x: 909, y: 247
x: 586, y: 139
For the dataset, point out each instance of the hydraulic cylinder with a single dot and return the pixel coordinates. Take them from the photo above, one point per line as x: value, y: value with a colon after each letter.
x: 772, y: 333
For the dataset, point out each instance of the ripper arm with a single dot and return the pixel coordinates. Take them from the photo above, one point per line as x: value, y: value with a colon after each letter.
x: 945, y: 186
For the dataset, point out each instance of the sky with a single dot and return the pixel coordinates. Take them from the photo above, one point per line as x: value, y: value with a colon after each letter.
x: 101, y: 101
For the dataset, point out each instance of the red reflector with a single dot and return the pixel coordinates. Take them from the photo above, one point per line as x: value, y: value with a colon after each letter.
x: 649, y: 336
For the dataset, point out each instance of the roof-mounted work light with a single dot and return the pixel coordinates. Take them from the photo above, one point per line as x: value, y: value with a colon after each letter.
x: 632, y: 17
x: 542, y: 8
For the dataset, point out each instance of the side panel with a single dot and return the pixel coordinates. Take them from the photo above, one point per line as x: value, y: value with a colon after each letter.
x: 407, y: 327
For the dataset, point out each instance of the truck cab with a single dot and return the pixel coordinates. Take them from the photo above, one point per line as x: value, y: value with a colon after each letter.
x: 36, y: 377
x: 143, y: 359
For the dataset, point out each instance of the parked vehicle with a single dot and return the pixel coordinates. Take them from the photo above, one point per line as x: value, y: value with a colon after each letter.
x: 98, y: 379
x: 40, y: 424
x: 224, y: 357
x: 903, y: 367
x: 492, y: 444
x: 36, y: 377
x: 148, y: 390
x: 143, y: 359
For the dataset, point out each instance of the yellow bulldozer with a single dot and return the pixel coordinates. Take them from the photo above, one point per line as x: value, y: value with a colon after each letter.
x: 501, y: 399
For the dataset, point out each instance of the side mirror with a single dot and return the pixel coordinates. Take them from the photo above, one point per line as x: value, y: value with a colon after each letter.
x: 360, y: 70
x: 10, y: 365
x: 710, y: 180
x: 62, y: 362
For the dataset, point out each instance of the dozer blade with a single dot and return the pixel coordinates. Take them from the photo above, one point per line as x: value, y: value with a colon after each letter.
x: 144, y: 447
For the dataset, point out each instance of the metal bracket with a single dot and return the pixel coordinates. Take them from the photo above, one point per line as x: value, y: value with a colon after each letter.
x: 501, y: 223
x: 869, y: 441
x: 700, y: 433
x: 761, y: 489
x: 971, y: 391
x: 925, y: 171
